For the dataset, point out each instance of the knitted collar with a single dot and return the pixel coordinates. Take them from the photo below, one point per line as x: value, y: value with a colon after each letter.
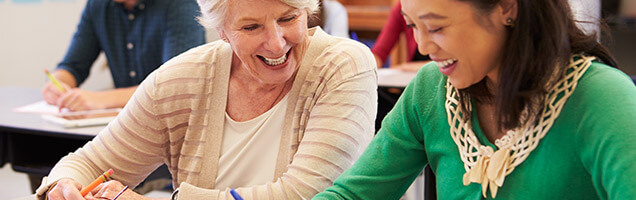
x: 488, y: 167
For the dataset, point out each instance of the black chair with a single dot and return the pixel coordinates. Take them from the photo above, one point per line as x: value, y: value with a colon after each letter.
x: 429, y: 184
x: 3, y: 150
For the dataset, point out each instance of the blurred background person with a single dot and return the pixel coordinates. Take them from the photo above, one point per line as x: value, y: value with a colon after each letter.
x: 389, y: 36
x: 137, y: 36
x: 332, y: 17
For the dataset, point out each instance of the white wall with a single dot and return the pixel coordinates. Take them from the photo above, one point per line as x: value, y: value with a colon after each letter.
x: 35, y: 35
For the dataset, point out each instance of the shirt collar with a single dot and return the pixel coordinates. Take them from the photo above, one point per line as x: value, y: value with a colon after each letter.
x: 140, y: 7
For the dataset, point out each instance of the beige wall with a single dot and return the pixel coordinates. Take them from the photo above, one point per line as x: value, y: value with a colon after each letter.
x: 34, y: 36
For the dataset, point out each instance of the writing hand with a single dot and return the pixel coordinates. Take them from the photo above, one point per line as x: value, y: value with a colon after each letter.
x: 110, y: 189
x: 77, y: 99
x: 65, y: 188
x: 51, y: 93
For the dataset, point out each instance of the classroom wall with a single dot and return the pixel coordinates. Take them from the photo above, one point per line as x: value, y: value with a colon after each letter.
x: 34, y: 34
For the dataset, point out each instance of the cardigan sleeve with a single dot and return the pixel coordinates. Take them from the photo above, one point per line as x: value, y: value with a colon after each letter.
x: 339, y: 126
x: 118, y: 146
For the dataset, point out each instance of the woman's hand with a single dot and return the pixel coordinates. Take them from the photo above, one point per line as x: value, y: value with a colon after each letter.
x: 68, y: 189
x: 65, y: 188
x: 110, y: 189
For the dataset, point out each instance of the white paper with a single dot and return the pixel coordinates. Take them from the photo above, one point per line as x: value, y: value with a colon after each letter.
x: 41, y: 107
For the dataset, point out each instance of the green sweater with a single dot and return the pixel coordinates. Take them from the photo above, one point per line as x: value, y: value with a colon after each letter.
x: 589, y: 153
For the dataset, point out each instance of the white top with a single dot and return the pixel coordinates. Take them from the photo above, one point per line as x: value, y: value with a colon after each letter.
x: 588, y: 12
x: 250, y: 149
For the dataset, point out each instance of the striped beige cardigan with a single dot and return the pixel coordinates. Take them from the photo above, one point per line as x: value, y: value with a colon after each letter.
x: 176, y: 117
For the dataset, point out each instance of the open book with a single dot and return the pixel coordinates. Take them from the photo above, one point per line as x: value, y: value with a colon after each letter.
x: 70, y: 119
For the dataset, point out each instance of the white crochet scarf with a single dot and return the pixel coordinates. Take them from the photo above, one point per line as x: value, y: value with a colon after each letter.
x: 490, y: 168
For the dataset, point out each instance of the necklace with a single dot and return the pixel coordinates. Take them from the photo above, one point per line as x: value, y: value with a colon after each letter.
x: 489, y: 168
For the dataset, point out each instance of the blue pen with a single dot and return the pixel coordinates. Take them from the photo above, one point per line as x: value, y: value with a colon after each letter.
x: 354, y: 36
x: 235, y: 195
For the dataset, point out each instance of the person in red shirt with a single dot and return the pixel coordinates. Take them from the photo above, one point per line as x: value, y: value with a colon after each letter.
x: 390, y: 35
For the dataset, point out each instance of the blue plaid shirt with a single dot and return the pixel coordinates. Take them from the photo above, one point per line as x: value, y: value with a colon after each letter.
x: 135, y: 42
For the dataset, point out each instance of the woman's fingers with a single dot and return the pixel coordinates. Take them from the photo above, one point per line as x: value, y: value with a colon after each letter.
x: 65, y: 189
x: 111, y: 189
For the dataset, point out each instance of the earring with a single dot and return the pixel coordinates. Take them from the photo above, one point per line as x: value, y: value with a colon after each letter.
x: 225, y: 40
x: 510, y: 22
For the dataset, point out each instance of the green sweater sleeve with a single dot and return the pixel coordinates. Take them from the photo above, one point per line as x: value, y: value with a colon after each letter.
x: 608, y: 128
x: 395, y: 156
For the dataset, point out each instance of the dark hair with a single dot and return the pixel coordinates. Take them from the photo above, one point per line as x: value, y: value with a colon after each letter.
x: 540, y: 43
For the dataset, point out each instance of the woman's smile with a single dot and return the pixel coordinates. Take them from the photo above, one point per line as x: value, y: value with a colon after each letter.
x: 272, y: 62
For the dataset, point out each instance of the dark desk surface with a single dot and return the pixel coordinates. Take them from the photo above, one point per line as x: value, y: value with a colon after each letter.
x: 30, y: 143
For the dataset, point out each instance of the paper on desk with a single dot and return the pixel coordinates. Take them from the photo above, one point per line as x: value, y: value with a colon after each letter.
x: 394, y: 77
x: 75, y: 123
x: 41, y: 107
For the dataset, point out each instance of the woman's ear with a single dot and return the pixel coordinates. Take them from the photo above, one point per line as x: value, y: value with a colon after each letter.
x: 508, y: 9
x: 221, y: 34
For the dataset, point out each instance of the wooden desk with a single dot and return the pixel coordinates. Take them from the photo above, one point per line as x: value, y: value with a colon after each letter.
x: 367, y: 15
x: 31, y: 144
x: 367, y: 18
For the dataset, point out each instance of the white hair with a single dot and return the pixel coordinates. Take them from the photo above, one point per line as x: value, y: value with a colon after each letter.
x: 213, y: 12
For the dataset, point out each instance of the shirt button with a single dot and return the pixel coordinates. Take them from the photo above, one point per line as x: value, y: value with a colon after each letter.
x: 131, y: 17
x: 129, y: 46
x: 142, y: 6
x: 132, y: 74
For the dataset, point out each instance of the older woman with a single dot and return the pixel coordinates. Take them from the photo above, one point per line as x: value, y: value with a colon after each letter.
x: 273, y: 109
x: 519, y: 104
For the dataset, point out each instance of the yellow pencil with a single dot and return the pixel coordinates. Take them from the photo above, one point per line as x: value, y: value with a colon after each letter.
x: 53, y: 80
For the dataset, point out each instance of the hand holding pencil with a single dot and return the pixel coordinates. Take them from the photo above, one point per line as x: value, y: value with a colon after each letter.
x: 103, y: 178
x: 100, y: 188
x: 53, y: 89
x: 54, y: 80
x: 67, y: 188
x: 62, y: 91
